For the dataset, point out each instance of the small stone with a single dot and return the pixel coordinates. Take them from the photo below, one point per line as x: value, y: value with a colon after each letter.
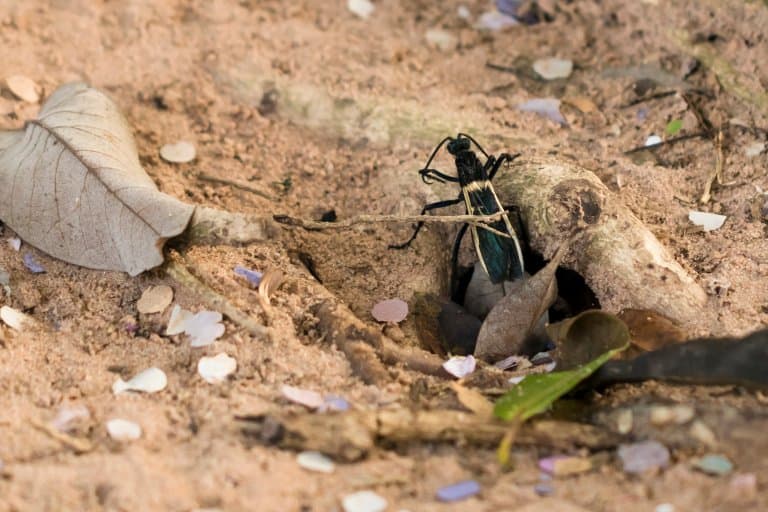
x: 363, y: 501
x: 315, y: 461
x: 441, y: 39
x: 23, y: 88
x: 712, y: 464
x: 661, y: 415
x: 150, y: 380
x: 561, y: 465
x: 155, y: 299
x: 463, y: 12
x: 644, y: 456
x: 178, y: 153
x: 754, y: 149
x: 547, y: 107
x: 743, y: 486
x: 653, y: 140
x: 216, y: 369
x: 624, y: 421
x: 458, y: 491
x: 553, y: 68
x: 708, y: 221
x: 123, y: 430
x: 391, y: 310
x: 544, y: 489
x: 702, y: 433
x: 360, y: 8
x: 460, y: 366
x: 664, y: 507
x: 495, y: 21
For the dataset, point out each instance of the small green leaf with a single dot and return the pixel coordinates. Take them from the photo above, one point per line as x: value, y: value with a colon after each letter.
x: 536, y: 393
x: 674, y: 126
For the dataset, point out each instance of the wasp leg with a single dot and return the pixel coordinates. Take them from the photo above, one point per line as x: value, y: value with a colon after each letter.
x: 504, y: 157
x: 434, y: 152
x: 429, y: 175
x: 455, y: 260
x: 431, y: 206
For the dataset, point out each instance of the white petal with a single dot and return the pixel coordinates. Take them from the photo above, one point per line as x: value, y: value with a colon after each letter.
x: 15, y: 319
x: 364, y: 501
x: 305, y: 397
x: 460, y: 366
x: 552, y: 68
x: 216, y: 369
x: 708, y: 221
x: 178, y: 318
x: 150, y: 380
x: 315, y: 461
x: 23, y: 88
x: 179, y: 153
x: 67, y: 415
x: 123, y: 430
x: 361, y: 8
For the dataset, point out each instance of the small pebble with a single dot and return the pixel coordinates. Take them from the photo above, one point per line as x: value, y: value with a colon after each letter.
x: 544, y: 489
x: 178, y: 153
x: 441, y: 39
x: 150, y: 380
x: 702, y: 433
x: 624, y: 421
x: 123, y: 430
x: 553, y: 68
x: 363, y: 501
x: 713, y: 464
x: 460, y: 366
x: 652, y: 140
x: 463, y: 12
x: 743, y: 486
x: 754, y: 149
x: 361, y: 8
x: 458, y: 491
x: 334, y: 403
x: 23, y: 88
x: 216, y: 369
x: 664, y: 507
x: 708, y: 221
x: 155, y: 299
x: 391, y: 310
x: 661, y: 415
x: 508, y: 363
x: 315, y: 461
x: 644, y: 456
x: 541, y: 358
x: 31, y: 263
x: 562, y: 465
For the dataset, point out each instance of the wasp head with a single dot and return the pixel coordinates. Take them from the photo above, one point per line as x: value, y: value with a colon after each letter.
x: 457, y: 145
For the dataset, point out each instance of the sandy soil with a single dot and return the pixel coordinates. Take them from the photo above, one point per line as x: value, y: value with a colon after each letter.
x: 204, y: 71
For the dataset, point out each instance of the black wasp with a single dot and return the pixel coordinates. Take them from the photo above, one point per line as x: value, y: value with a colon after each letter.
x: 499, y: 253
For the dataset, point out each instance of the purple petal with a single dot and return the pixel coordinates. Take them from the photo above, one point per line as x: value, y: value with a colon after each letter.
x: 547, y: 107
x: 547, y: 464
x: 641, y: 457
x: 252, y: 276
x: 32, y: 264
x: 392, y: 310
x: 458, y: 491
x: 334, y: 403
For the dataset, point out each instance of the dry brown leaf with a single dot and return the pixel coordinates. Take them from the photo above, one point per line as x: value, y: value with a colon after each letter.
x: 583, y: 103
x: 650, y: 330
x: 71, y: 185
x: 516, y: 316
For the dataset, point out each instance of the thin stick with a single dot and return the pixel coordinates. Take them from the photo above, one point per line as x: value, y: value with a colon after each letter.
x: 667, y: 142
x: 480, y: 221
x: 214, y: 300
x: 717, y: 172
x: 233, y: 183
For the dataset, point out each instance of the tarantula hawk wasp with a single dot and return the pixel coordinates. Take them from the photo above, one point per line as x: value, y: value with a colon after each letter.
x: 500, y: 255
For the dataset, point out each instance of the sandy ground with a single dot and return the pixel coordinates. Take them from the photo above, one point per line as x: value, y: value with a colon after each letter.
x: 204, y: 71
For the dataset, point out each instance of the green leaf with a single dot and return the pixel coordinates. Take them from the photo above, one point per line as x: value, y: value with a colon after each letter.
x: 536, y: 393
x: 674, y: 126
